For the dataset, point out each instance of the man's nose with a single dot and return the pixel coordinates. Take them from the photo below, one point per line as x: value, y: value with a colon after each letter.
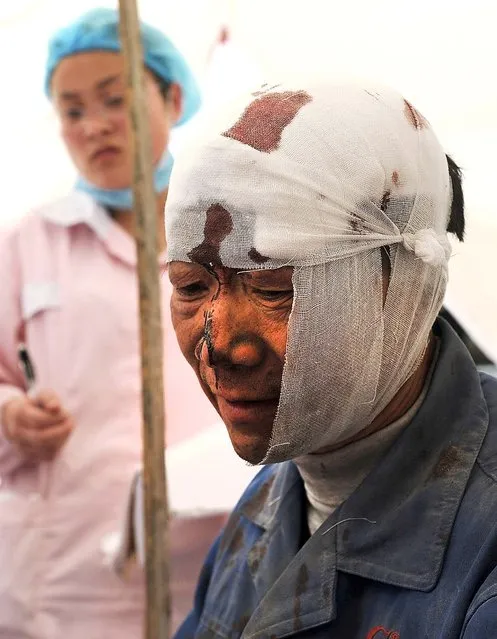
x: 229, y: 337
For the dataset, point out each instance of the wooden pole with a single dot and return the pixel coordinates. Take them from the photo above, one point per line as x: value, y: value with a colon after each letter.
x: 158, y: 611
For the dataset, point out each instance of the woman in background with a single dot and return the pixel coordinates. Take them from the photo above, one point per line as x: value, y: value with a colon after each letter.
x: 70, y: 445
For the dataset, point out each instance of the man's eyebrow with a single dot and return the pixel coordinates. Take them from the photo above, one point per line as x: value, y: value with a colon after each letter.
x: 263, y: 275
x: 102, y: 84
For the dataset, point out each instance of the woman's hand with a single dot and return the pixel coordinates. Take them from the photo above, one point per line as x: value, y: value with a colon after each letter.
x: 38, y: 426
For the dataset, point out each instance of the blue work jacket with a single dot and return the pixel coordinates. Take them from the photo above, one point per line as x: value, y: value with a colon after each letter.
x: 411, y: 554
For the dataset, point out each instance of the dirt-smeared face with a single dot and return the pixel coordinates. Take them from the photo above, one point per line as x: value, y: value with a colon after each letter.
x: 232, y: 328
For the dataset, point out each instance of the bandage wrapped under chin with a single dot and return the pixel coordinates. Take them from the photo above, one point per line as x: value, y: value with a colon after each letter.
x: 321, y: 178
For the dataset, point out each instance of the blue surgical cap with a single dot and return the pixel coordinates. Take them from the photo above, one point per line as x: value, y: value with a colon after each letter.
x: 98, y: 30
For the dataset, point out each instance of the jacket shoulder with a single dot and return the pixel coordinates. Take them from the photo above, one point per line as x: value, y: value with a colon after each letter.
x: 487, y: 458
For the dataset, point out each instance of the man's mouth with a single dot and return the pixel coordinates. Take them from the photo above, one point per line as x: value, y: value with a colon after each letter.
x: 241, y: 409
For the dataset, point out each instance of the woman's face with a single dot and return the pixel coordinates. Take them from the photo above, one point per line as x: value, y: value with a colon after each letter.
x: 89, y: 94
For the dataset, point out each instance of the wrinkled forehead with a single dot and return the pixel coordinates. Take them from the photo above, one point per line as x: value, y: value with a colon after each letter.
x: 284, y: 175
x: 186, y: 271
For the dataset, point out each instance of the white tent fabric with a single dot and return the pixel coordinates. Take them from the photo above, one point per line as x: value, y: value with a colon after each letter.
x: 440, y: 55
x: 472, y: 294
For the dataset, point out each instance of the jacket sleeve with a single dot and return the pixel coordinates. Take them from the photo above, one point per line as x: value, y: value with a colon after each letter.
x: 188, y: 629
x: 11, y: 380
x: 483, y: 621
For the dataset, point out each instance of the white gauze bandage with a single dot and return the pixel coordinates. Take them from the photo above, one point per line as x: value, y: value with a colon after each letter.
x: 319, y: 178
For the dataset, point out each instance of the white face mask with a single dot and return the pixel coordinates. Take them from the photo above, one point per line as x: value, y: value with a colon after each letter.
x: 319, y: 178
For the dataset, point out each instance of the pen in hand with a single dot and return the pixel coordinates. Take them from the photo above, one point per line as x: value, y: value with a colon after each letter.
x: 27, y: 367
x: 40, y: 424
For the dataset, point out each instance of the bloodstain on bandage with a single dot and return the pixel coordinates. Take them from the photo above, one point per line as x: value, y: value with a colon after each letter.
x: 357, y: 224
x: 413, y: 116
x: 395, y: 178
x: 385, y: 200
x: 264, y: 120
x: 256, y: 257
x: 218, y: 225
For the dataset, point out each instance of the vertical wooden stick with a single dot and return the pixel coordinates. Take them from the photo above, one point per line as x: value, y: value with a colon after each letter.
x: 145, y: 209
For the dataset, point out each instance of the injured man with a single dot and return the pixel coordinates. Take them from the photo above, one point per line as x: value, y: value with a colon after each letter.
x: 308, y: 247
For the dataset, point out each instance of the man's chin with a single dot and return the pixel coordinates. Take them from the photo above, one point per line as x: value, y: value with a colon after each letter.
x: 251, y: 448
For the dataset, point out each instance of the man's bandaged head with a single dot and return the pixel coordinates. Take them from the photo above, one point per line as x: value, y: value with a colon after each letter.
x: 320, y: 178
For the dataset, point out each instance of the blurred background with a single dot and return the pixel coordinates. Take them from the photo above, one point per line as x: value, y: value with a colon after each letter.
x: 442, y: 55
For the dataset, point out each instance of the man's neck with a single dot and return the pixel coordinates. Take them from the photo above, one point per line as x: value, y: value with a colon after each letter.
x: 126, y: 221
x: 331, y: 475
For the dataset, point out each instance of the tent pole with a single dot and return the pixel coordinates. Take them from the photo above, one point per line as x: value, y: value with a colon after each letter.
x: 158, y: 611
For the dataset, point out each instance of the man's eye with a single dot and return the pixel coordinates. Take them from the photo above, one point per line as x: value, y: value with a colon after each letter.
x: 273, y: 296
x: 192, y: 290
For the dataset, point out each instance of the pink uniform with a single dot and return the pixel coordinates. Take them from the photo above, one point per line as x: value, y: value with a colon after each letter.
x: 69, y: 287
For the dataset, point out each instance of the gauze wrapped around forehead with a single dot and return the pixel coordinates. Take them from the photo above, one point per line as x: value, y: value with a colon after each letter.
x: 320, y: 178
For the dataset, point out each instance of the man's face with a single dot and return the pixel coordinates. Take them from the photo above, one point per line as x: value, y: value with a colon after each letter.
x: 232, y: 329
